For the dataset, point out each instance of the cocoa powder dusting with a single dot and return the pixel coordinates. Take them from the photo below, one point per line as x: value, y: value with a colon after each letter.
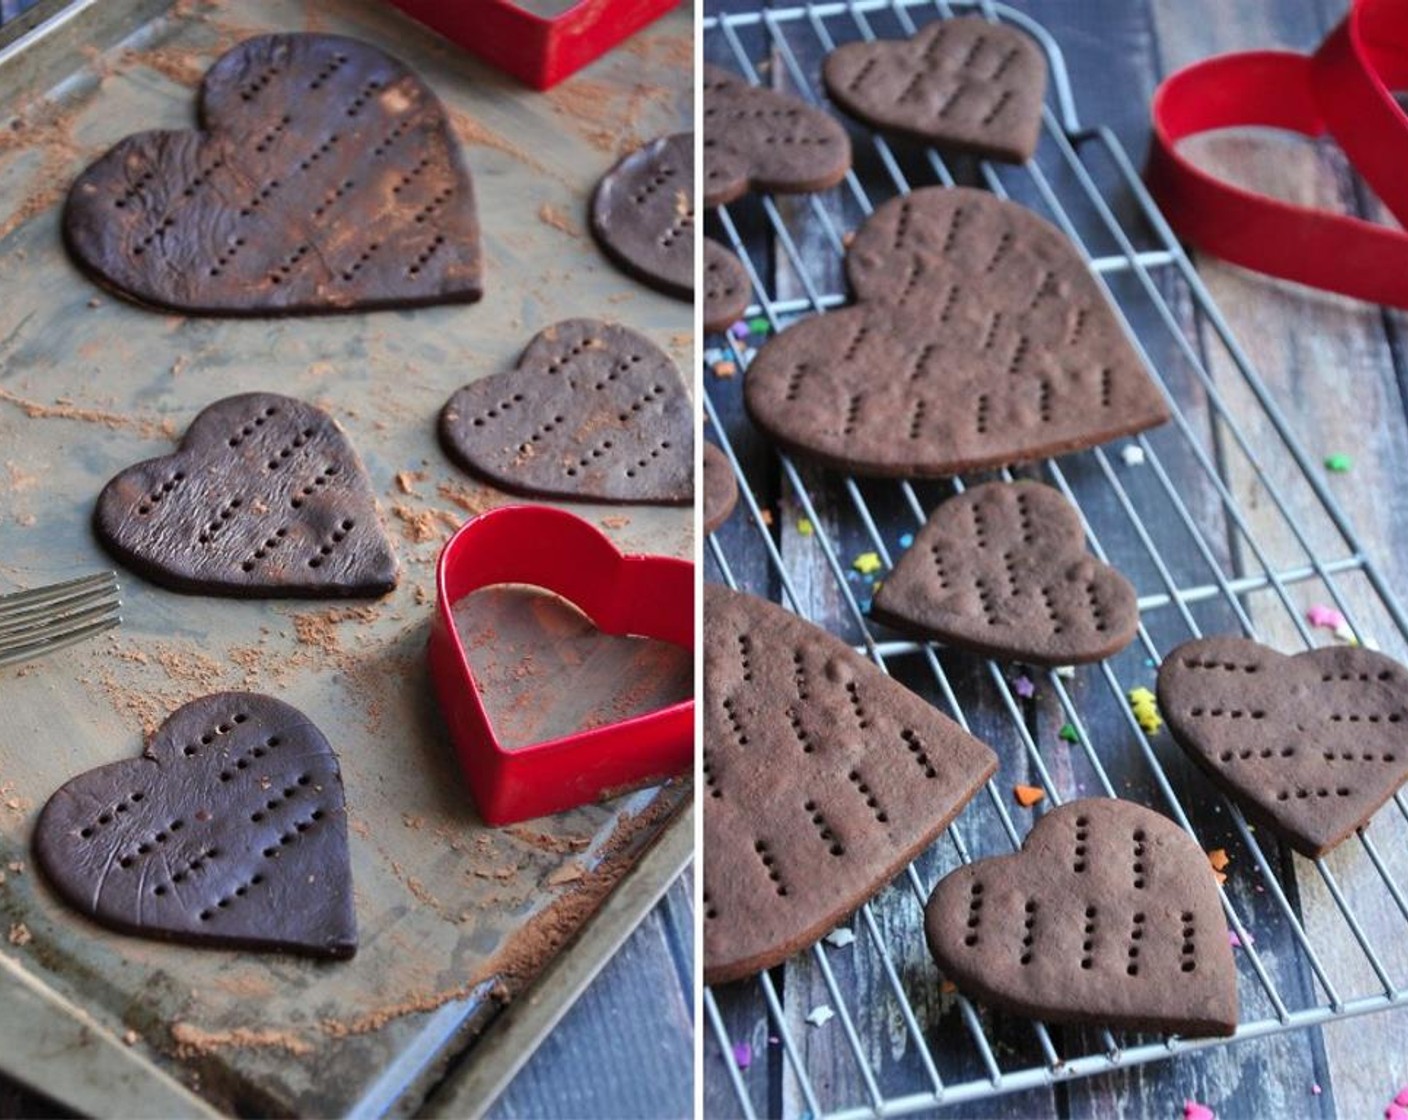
x: 193, y: 1042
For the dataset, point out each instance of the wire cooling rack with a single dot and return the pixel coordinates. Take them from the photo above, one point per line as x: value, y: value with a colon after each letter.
x: 1221, y: 520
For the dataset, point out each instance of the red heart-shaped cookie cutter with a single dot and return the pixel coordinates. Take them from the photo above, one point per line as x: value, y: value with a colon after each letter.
x: 538, y: 49
x: 1344, y: 89
x: 642, y: 596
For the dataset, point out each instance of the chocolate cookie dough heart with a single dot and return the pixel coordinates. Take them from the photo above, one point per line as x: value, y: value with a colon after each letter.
x: 324, y: 177
x: 1002, y: 569
x: 756, y: 139
x: 997, y: 345
x: 643, y: 214
x: 1310, y: 745
x: 594, y: 411
x: 1108, y: 915
x: 823, y: 778
x: 966, y: 84
x: 727, y: 288
x: 264, y: 498
x: 230, y: 830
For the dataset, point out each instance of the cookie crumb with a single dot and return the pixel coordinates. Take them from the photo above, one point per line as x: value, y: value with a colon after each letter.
x: 840, y: 938
x: 19, y: 934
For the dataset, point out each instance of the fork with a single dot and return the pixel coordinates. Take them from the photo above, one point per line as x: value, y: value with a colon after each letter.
x: 43, y: 619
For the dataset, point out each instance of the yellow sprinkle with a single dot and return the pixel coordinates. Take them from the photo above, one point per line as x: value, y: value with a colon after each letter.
x: 1146, y: 711
x: 804, y: 527
x: 867, y: 563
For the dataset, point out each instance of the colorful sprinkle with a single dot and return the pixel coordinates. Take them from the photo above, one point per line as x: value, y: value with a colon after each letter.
x: 1027, y: 796
x: 867, y: 563
x: 1396, y: 1111
x: 906, y: 540
x: 1132, y: 454
x: 1023, y: 687
x: 804, y: 527
x: 725, y: 369
x: 1192, y: 1110
x: 1219, y: 859
x: 758, y: 325
x: 1068, y: 733
x: 1346, y: 635
x: 1338, y: 462
x: 947, y: 987
x: 766, y: 515
x: 1237, y: 942
x: 713, y: 354
x: 742, y: 1055
x: 739, y: 330
x: 1326, y: 618
x: 1146, y: 710
x: 1402, y: 1099
x: 1315, y: 1089
x: 1066, y: 672
x: 820, y: 1016
x: 840, y: 938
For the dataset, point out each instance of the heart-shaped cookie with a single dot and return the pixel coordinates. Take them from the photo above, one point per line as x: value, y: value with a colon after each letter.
x: 756, y: 139
x: 720, y: 488
x: 727, y: 288
x: 230, y: 830
x: 1310, y: 745
x: 641, y: 596
x: 643, y: 214
x: 1002, y: 569
x: 966, y: 84
x: 593, y: 411
x: 823, y: 778
x: 997, y: 343
x: 1108, y: 915
x: 264, y: 498
x: 324, y: 177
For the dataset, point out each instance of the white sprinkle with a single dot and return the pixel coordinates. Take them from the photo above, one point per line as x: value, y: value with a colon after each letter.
x: 1132, y: 454
x: 1066, y: 672
x: 820, y: 1016
x: 1370, y: 644
x: 1345, y: 634
x: 840, y: 938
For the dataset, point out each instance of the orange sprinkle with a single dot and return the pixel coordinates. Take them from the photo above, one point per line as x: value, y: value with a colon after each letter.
x: 1218, y: 858
x: 947, y: 987
x: 1027, y: 796
x: 1220, y: 877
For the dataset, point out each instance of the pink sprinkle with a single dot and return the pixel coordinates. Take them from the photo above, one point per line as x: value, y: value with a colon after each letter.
x: 1326, y: 617
x: 1024, y: 688
x: 1402, y: 1099
x: 1192, y: 1110
x: 1236, y: 942
x: 742, y: 1055
x: 1315, y: 1089
x: 1396, y: 1112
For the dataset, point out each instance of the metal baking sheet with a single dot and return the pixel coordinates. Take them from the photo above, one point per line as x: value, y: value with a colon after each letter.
x: 455, y: 918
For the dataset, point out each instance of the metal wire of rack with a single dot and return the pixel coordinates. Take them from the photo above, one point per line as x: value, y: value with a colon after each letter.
x: 1235, y: 550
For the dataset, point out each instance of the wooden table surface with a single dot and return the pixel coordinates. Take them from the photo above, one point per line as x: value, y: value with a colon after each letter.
x: 1336, y: 369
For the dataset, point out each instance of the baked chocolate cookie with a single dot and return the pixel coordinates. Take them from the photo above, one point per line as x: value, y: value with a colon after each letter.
x: 643, y: 214
x: 1002, y: 569
x: 264, y: 498
x: 1108, y: 915
x: 757, y: 139
x: 720, y: 488
x: 727, y: 289
x: 1311, y: 746
x: 966, y: 84
x: 323, y: 177
x: 823, y: 778
x: 594, y: 412
x: 997, y: 343
x: 230, y: 831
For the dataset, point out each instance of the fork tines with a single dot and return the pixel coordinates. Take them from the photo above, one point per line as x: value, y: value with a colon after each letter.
x: 43, y: 619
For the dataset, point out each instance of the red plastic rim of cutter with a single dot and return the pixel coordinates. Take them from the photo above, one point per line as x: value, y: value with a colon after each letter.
x: 644, y: 596
x: 1344, y: 89
x: 538, y: 50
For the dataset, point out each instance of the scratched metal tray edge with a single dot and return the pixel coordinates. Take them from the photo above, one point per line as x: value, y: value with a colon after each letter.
x: 1073, y: 133
x: 475, y: 1058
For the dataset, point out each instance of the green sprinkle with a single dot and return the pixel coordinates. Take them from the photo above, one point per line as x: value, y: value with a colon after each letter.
x: 1068, y: 733
x: 804, y: 527
x: 758, y: 325
x: 1339, y: 463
